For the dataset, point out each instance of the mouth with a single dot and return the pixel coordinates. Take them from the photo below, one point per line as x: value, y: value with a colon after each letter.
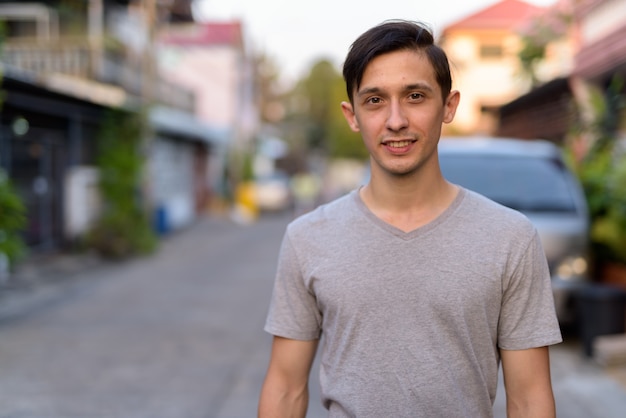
x: 398, y: 144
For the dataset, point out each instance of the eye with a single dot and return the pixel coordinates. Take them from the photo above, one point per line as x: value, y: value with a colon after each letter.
x: 374, y: 100
x: 416, y: 96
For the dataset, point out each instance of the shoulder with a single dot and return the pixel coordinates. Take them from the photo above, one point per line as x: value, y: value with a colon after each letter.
x: 489, y: 215
x: 324, y: 232
x: 325, y: 218
x: 328, y: 213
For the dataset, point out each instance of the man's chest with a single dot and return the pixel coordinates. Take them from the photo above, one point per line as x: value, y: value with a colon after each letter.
x: 401, y: 278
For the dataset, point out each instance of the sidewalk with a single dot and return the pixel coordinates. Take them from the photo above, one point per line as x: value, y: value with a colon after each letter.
x: 617, y: 368
x: 582, y: 387
x: 43, y: 277
x: 40, y: 279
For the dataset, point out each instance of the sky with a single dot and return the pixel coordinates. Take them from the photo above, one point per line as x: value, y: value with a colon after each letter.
x: 297, y: 33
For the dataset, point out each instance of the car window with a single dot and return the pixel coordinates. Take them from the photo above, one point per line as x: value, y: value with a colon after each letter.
x: 524, y: 184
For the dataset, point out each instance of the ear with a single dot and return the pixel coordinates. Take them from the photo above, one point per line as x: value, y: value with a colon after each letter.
x: 452, y: 102
x: 348, y: 113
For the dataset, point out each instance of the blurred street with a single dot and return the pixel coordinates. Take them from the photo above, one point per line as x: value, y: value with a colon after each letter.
x: 179, y: 334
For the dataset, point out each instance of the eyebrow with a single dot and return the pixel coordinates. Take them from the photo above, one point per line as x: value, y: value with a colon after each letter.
x: 408, y: 87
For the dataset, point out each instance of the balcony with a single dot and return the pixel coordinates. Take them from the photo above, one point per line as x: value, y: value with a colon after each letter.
x: 39, y: 57
x: 78, y: 58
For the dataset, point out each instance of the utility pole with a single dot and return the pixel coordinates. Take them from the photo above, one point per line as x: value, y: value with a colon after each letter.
x: 95, y: 35
x: 149, y: 71
x: 149, y: 95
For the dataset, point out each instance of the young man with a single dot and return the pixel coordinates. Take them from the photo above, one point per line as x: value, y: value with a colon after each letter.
x: 420, y: 288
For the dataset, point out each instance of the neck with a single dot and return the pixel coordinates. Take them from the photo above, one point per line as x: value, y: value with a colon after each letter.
x: 408, y: 202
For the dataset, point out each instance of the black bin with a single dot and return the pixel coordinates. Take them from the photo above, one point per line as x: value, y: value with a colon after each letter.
x: 601, y: 311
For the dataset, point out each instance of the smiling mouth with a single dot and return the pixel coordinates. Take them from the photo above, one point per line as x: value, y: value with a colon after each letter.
x: 398, y: 144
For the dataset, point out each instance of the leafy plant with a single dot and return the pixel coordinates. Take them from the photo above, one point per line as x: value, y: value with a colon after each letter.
x: 124, y: 228
x: 603, y: 177
x: 12, y: 221
x: 602, y: 172
x: 542, y: 31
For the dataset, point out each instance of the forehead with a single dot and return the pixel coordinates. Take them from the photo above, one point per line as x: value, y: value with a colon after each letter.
x: 402, y: 67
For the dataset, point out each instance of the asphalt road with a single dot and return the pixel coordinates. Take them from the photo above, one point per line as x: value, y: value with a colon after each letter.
x: 174, y: 335
x: 179, y: 334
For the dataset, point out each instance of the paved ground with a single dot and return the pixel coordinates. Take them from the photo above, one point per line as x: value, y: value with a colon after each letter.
x: 180, y: 335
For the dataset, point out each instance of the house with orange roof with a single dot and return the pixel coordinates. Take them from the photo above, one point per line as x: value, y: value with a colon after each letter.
x: 483, y: 51
x: 596, y: 34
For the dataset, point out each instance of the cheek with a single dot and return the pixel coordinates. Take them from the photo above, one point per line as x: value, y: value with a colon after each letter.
x: 433, y: 119
x: 369, y: 124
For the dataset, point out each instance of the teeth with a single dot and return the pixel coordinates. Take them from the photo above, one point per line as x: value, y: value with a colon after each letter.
x: 398, y: 144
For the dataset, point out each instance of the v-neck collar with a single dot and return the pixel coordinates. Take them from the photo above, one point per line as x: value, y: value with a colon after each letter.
x: 447, y: 213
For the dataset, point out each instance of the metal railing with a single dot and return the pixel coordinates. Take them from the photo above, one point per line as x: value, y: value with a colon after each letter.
x: 71, y: 58
x: 79, y: 58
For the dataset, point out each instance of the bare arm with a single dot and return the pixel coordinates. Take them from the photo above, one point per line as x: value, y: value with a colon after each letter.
x: 285, y: 392
x: 528, y: 384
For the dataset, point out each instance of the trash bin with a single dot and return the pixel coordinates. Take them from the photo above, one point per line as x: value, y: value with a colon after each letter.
x: 161, y: 224
x: 601, y: 311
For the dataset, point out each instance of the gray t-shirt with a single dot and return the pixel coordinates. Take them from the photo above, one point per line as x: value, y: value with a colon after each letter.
x: 412, y: 321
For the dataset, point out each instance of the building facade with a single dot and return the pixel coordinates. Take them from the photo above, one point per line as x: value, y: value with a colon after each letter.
x: 211, y: 59
x: 483, y: 52
x: 597, y: 35
x: 62, y: 72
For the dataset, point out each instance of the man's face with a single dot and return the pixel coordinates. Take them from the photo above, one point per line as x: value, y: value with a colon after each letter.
x: 398, y: 109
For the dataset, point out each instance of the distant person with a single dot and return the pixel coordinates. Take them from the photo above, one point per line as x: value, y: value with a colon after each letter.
x: 419, y: 288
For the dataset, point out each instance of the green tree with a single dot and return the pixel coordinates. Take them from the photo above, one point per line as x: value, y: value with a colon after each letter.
x: 344, y: 143
x: 317, y: 99
x: 318, y: 88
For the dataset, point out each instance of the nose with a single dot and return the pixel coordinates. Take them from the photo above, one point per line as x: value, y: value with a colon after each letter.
x: 396, y: 120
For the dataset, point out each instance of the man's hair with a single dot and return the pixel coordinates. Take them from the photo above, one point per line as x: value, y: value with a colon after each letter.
x: 391, y: 36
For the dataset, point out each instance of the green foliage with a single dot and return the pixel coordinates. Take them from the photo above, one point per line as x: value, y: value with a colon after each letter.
x: 12, y: 209
x: 543, y: 30
x: 344, y: 143
x: 247, y: 168
x: 318, y: 90
x: 532, y: 52
x: 609, y: 229
x: 322, y: 91
x: 602, y: 173
x: 603, y: 176
x: 12, y: 221
x: 124, y: 228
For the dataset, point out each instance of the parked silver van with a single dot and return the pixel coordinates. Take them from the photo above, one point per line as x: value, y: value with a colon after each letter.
x: 531, y: 177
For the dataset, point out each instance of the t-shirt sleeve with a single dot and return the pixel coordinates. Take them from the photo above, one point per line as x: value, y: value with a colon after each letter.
x: 528, y: 318
x: 293, y: 311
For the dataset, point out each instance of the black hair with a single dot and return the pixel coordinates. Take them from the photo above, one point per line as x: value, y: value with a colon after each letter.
x: 390, y: 36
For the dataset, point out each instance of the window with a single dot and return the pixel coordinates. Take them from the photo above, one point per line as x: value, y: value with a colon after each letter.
x: 523, y: 183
